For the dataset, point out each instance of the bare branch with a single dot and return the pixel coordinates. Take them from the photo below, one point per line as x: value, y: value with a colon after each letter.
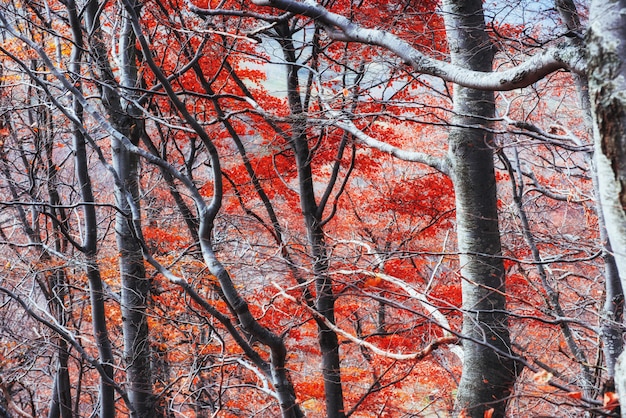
x: 439, y: 164
x: 418, y: 355
x: 338, y: 27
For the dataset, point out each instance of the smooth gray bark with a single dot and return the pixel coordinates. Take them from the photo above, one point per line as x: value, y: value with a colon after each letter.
x: 124, y: 118
x: 135, y: 285
x: 61, y: 400
x: 90, y: 228
x: 488, y: 374
x: 325, y: 298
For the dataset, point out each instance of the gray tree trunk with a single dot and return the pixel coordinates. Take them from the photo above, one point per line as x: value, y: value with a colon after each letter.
x: 488, y: 374
x: 325, y: 298
x: 606, y: 49
x: 61, y: 400
x: 90, y: 228
x: 134, y: 284
x: 612, y: 315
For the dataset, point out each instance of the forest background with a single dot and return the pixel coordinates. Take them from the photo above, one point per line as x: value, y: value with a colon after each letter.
x: 289, y: 208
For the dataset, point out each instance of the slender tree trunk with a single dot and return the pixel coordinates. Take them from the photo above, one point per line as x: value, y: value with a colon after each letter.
x: 325, y: 298
x: 56, y: 281
x: 90, y: 228
x: 488, y: 374
x: 97, y: 297
x: 135, y: 287
x: 606, y: 51
x: 61, y: 400
x: 98, y: 315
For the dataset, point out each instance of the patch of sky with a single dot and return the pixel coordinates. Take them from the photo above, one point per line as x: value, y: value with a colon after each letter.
x: 539, y: 18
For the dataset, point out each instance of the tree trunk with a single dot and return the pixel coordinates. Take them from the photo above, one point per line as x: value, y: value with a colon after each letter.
x: 325, y: 298
x: 124, y: 117
x: 488, y: 373
x: 135, y: 285
x: 606, y: 49
x: 97, y: 298
x: 90, y: 238
x: 57, y: 288
x: 61, y: 399
x: 613, y: 309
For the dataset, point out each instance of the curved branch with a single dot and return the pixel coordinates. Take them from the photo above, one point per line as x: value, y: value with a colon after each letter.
x: 338, y: 27
x: 439, y: 164
x: 418, y: 355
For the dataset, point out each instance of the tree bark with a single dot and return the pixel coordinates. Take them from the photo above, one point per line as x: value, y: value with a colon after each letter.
x: 135, y: 285
x: 606, y: 51
x: 488, y: 373
x: 613, y: 309
x: 124, y: 117
x: 90, y: 238
x: 325, y: 298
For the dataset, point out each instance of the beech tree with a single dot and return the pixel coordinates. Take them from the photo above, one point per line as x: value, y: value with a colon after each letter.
x: 488, y: 370
x: 284, y: 207
x: 606, y: 53
x: 118, y: 97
